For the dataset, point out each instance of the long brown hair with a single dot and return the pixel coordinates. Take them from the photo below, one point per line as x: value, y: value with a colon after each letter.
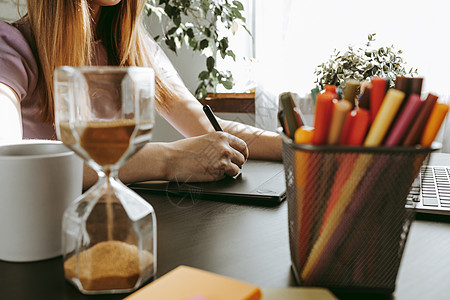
x: 64, y: 33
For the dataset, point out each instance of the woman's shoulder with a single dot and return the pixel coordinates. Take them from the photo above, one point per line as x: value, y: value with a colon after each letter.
x: 18, y: 62
x: 14, y: 31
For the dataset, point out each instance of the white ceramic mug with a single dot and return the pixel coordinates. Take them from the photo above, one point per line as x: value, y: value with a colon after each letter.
x: 37, y: 182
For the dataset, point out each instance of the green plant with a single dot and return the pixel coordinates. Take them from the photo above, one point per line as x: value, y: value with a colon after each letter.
x: 362, y: 64
x: 195, y: 24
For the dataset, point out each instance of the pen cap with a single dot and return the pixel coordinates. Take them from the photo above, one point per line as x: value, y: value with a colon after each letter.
x: 364, y: 100
x: 402, y: 84
x: 351, y: 91
x: 304, y: 135
x: 416, y: 85
x: 331, y: 89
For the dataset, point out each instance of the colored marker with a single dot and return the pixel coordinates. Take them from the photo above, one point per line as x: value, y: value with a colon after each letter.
x: 404, y: 121
x: 303, y: 179
x: 384, y: 118
x: 350, y: 91
x: 402, y: 84
x: 314, y: 92
x: 355, y: 128
x: 304, y: 135
x: 291, y: 122
x: 340, y: 110
x: 331, y: 89
x: 415, y: 133
x: 364, y: 100
x: 434, y: 123
x: 322, y: 118
x: 416, y: 85
x: 376, y: 95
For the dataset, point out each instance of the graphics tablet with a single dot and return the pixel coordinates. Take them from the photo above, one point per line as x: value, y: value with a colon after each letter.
x: 259, y: 183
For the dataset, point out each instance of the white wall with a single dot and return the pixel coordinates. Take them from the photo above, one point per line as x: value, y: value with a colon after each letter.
x: 8, y: 9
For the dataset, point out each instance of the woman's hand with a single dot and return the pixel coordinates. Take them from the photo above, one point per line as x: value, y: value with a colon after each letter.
x: 206, y: 158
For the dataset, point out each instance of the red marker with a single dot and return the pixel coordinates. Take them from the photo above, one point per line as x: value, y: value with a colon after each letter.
x: 376, y: 95
x: 355, y: 128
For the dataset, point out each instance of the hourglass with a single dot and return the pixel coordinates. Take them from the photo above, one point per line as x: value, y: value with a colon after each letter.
x: 105, y: 115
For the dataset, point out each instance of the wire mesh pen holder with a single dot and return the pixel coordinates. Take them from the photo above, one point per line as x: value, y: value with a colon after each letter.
x: 348, y: 223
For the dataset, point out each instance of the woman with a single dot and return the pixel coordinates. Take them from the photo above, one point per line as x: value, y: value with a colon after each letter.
x: 110, y: 32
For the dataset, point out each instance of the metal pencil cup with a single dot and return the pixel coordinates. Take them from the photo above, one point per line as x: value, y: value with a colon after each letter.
x: 348, y: 223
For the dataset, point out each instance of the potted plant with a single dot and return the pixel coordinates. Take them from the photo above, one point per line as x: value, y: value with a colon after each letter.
x: 362, y: 64
x: 195, y: 24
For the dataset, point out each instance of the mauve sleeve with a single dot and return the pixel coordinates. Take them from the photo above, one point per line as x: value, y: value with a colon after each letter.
x: 18, y: 68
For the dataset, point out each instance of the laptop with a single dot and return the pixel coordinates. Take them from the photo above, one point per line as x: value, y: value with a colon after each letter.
x: 259, y: 183
x: 430, y: 192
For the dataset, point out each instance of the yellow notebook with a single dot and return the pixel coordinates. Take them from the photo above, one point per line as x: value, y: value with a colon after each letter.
x: 187, y: 283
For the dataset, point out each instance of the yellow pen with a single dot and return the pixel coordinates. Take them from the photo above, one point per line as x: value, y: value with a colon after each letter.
x: 384, y: 117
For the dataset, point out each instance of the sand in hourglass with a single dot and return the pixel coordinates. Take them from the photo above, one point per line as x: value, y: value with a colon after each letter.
x: 106, y: 142
x: 109, y: 264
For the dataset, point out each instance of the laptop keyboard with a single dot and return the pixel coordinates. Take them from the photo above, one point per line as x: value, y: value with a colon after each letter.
x: 431, y: 190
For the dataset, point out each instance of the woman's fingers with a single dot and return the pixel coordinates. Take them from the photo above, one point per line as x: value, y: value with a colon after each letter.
x: 235, y: 150
x: 239, y: 145
x: 221, y: 168
x: 207, y: 157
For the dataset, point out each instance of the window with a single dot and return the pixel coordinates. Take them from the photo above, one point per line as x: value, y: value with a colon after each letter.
x: 292, y: 37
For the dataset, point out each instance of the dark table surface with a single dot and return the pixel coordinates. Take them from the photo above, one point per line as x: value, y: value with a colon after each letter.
x: 249, y: 243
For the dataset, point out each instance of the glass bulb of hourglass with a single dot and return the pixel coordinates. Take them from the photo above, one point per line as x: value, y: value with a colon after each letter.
x: 105, y: 115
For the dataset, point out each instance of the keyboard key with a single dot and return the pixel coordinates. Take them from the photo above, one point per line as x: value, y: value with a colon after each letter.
x: 430, y: 201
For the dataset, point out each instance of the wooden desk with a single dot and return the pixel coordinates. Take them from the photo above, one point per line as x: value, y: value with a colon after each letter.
x: 244, y: 242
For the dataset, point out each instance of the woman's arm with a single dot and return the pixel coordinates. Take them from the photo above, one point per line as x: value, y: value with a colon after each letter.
x: 187, y: 116
x: 262, y: 144
x: 10, y: 116
x: 204, y: 158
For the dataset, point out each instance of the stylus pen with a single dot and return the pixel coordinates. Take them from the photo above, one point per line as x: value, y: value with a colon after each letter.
x: 214, y: 122
x: 211, y: 117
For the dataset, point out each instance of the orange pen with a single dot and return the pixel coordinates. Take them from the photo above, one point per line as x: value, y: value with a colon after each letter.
x: 322, y: 118
x: 434, y: 124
